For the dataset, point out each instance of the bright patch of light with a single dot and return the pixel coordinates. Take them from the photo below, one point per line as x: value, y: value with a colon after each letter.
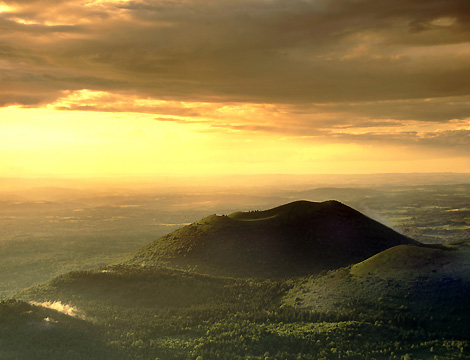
x: 6, y: 8
x: 24, y: 21
x: 443, y: 22
x: 58, y: 306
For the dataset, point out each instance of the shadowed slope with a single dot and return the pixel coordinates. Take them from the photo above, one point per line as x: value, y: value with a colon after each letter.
x: 294, y: 239
x: 36, y: 332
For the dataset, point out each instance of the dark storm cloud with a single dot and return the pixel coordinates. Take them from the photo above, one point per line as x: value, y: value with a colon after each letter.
x: 368, y: 59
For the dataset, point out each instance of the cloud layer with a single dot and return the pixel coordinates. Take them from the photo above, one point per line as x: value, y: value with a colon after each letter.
x: 327, y: 64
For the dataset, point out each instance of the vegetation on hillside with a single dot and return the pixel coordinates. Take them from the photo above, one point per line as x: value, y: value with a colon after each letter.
x: 47, y: 232
x: 408, y: 302
x: 295, y: 239
x: 37, y: 333
x: 156, y: 313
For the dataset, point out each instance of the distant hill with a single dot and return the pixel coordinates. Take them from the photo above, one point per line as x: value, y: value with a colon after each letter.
x: 426, y: 282
x: 295, y: 239
x: 405, y: 263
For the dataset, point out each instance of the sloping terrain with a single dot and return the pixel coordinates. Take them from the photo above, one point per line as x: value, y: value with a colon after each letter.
x: 295, y: 239
x: 430, y: 284
x: 36, y: 333
x: 406, y: 302
x: 156, y: 313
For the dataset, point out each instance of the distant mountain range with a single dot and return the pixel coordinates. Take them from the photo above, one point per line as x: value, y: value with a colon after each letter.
x: 295, y: 239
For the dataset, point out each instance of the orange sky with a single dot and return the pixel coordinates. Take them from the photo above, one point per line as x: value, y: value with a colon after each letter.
x: 98, y: 88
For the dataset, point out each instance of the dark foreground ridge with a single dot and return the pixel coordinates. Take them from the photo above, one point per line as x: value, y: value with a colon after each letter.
x: 295, y: 239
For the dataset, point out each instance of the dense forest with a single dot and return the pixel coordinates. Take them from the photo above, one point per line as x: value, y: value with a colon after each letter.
x: 132, y: 312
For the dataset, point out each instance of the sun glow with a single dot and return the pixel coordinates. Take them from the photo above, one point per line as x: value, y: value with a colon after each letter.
x: 4, y: 8
x: 84, y: 143
x: 152, y: 87
x: 52, y: 142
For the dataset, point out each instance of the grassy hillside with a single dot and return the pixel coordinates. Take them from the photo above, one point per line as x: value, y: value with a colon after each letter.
x: 409, y: 262
x: 290, y: 240
x: 427, y: 283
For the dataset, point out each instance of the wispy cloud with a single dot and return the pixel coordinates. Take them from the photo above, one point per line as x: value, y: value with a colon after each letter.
x: 451, y: 141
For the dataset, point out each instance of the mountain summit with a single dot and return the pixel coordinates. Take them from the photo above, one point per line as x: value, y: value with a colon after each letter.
x: 298, y: 238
